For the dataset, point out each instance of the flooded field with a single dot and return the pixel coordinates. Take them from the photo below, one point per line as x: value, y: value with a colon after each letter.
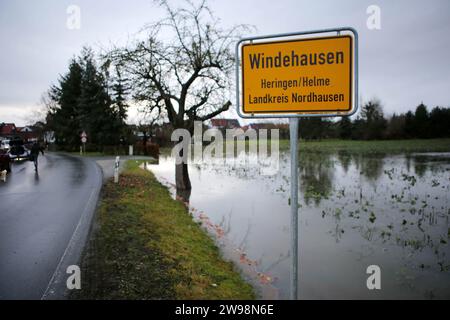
x: 355, y: 210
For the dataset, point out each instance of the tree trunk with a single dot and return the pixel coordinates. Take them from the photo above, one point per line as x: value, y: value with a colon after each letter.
x: 182, y: 180
x: 184, y: 195
x: 183, y: 183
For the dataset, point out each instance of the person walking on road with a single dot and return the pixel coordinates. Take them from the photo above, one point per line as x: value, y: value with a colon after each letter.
x: 34, y: 154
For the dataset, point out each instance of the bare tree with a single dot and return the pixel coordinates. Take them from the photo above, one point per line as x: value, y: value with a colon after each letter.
x: 39, y: 114
x: 182, y: 67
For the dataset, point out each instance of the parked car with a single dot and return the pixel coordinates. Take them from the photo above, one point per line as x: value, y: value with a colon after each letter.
x: 5, y: 161
x: 18, y: 151
x: 4, y: 145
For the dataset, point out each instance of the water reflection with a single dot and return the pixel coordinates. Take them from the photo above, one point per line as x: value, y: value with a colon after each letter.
x: 345, y: 159
x: 316, y: 177
x: 355, y: 210
x: 371, y: 167
x: 36, y: 177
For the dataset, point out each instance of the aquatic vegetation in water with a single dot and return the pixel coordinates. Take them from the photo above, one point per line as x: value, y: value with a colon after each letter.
x: 378, y: 207
x: 411, y: 179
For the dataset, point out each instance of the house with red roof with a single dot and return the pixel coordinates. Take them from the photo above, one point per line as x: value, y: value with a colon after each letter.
x: 225, y: 123
x: 28, y: 133
x: 7, y: 130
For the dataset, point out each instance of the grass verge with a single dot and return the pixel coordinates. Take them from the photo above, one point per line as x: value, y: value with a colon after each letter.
x: 356, y: 146
x: 145, y: 245
x: 373, y: 146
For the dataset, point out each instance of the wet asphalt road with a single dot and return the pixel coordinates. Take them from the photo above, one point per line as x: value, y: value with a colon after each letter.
x: 44, y: 222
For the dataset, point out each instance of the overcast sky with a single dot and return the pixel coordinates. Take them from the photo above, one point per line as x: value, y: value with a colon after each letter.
x: 405, y: 62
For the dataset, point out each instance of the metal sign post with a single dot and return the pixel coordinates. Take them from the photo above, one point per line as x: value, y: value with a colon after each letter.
x: 293, y: 131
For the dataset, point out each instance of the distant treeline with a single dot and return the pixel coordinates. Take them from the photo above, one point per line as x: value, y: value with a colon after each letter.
x: 371, y: 124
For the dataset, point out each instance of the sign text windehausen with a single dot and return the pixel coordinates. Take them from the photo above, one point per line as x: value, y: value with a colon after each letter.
x: 298, y: 76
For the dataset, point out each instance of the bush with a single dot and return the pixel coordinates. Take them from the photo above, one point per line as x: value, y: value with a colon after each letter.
x: 149, y: 149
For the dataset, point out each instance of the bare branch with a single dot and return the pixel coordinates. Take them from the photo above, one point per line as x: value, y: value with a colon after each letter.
x: 186, y: 74
x: 225, y: 107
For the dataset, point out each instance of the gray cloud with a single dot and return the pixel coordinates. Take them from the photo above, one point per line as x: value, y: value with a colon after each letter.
x: 404, y: 63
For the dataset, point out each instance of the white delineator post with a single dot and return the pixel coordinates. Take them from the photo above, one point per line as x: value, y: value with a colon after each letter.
x: 116, y: 169
x: 130, y: 150
x: 293, y: 130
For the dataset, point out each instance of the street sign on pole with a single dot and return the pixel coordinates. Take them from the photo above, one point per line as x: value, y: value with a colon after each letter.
x: 83, y: 136
x: 298, y: 74
x: 293, y: 75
